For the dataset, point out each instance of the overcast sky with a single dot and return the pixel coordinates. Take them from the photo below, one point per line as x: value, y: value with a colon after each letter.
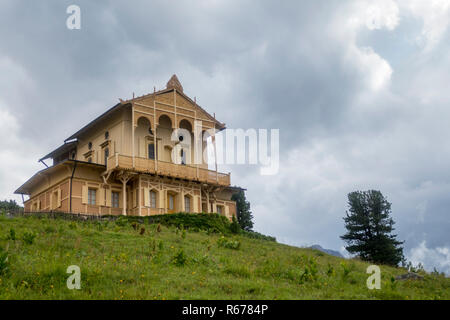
x: 359, y: 90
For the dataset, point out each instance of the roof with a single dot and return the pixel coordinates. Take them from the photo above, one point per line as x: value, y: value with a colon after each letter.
x: 172, y: 84
x: 95, y: 121
x: 25, y: 188
x: 67, y: 146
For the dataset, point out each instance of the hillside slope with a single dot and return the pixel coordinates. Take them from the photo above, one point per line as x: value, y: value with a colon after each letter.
x: 117, y: 262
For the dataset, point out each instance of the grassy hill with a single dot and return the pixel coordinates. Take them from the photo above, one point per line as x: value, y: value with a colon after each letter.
x: 169, y: 262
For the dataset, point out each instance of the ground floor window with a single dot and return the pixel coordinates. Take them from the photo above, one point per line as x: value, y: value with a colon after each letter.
x: 219, y: 209
x: 152, y: 199
x: 115, y: 199
x: 92, y: 193
x: 187, y: 204
x: 171, y: 202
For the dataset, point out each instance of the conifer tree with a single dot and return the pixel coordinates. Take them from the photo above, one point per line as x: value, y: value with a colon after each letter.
x: 369, y: 228
x: 244, y: 215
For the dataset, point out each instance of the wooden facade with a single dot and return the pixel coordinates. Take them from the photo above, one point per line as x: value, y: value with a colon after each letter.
x: 121, y: 163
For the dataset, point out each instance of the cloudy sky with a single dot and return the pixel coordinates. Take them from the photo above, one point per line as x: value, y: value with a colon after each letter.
x: 359, y: 91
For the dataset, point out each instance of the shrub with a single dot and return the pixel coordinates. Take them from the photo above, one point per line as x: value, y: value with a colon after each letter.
x: 179, y: 259
x: 11, y: 235
x: 49, y: 229
x: 121, y: 221
x: 28, y: 237
x: 234, y: 226
x: 257, y: 235
x: 230, y: 244
x: 310, y: 272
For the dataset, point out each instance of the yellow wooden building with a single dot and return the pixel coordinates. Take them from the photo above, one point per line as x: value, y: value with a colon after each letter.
x: 121, y: 163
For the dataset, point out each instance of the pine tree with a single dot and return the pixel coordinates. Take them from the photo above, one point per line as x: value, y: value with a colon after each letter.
x: 244, y: 215
x: 369, y: 228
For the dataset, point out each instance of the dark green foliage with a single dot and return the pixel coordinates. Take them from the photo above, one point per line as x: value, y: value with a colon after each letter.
x: 11, y: 235
x: 202, y: 221
x: 257, y: 235
x: 235, y: 228
x: 121, y: 221
x: 10, y: 206
x: 28, y: 237
x: 244, y: 215
x: 369, y: 227
x: 179, y: 259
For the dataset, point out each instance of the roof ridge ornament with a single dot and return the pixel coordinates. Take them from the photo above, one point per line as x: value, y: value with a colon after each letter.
x: 174, y: 83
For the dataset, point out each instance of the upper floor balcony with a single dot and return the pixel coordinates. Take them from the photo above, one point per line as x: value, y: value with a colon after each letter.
x: 150, y: 166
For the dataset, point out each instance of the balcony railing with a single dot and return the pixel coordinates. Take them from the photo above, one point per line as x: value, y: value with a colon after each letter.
x: 188, y: 172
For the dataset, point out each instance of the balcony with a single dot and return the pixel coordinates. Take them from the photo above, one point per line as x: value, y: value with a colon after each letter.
x: 188, y: 172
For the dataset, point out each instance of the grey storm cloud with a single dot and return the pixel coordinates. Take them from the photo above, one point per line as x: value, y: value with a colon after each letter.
x: 357, y: 89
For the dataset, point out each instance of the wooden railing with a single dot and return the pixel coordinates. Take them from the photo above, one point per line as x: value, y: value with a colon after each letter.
x: 188, y: 172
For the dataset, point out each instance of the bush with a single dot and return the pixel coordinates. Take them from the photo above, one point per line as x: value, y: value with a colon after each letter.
x: 28, y: 237
x: 11, y: 235
x: 180, y: 258
x: 230, y: 244
x: 235, y: 227
x: 121, y: 221
x: 257, y: 235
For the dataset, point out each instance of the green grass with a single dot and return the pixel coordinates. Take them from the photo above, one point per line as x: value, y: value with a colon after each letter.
x: 117, y: 262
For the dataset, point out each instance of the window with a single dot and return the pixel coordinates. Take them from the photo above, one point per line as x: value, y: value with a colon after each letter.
x: 219, y: 209
x: 171, y: 202
x: 91, y: 196
x: 152, y: 199
x: 90, y: 145
x: 115, y: 199
x: 151, y: 151
x: 73, y: 155
x: 106, y: 135
x: 90, y: 160
x: 106, y: 155
x: 187, y: 204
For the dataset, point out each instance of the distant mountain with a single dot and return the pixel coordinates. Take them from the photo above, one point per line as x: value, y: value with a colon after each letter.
x: 328, y: 251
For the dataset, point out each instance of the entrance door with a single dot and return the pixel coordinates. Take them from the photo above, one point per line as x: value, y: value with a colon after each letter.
x: 170, y: 203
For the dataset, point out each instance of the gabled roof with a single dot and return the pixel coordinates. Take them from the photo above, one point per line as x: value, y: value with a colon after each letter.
x: 67, y: 146
x: 172, y: 84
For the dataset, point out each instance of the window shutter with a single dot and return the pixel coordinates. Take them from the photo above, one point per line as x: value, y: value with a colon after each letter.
x: 58, y: 201
x: 39, y: 205
x: 214, y: 207
x: 51, y: 200
x: 134, y: 198
x: 108, y: 197
x: 141, y: 147
x: 227, y: 211
x: 195, y: 201
x: 146, y: 197
x: 84, y: 195
x: 101, y: 197
x: 120, y: 200
x: 161, y: 198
